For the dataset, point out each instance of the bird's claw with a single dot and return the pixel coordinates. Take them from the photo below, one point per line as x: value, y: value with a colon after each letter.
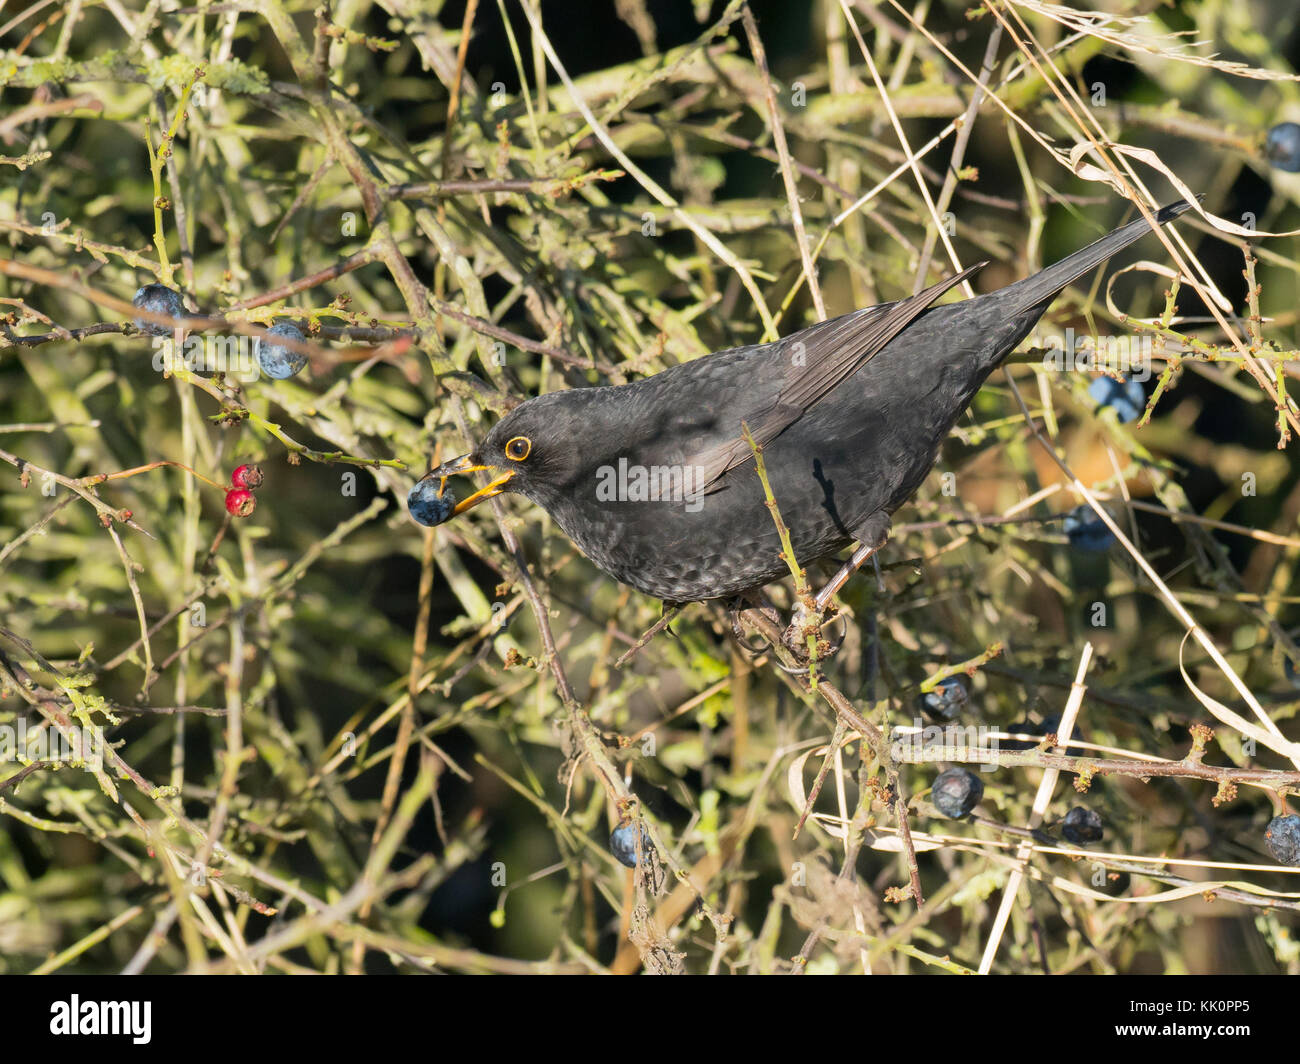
x: 795, y: 637
x: 734, y: 611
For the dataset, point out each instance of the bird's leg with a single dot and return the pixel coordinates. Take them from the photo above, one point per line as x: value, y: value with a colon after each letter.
x: 850, y: 567
x: 796, y: 634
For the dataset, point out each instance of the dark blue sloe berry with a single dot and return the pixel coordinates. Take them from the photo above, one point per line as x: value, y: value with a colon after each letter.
x: 1081, y: 826
x: 945, y: 702
x: 1283, y: 838
x: 1283, y: 147
x: 158, y: 299
x: 1050, y: 726
x: 426, y: 506
x: 622, y: 843
x: 276, y: 360
x: 1086, y: 530
x: 1127, y: 398
x: 956, y: 792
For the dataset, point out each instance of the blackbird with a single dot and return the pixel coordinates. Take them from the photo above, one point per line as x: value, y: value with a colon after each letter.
x: 654, y: 482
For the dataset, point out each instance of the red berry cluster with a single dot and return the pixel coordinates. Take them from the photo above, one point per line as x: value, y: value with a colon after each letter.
x: 239, y: 499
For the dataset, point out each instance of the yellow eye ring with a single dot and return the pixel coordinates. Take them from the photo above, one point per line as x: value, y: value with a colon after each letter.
x: 519, y: 448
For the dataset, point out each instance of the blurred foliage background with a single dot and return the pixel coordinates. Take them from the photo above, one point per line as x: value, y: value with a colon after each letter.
x: 337, y: 743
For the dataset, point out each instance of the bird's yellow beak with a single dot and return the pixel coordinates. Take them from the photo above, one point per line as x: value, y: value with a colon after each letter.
x: 469, y: 463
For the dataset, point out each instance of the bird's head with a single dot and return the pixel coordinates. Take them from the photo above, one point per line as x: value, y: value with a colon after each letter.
x: 534, y: 450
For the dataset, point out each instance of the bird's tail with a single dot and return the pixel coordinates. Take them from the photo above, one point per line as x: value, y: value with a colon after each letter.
x: 1043, y: 286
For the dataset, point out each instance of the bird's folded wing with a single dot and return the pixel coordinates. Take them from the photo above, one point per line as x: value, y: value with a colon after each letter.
x: 817, y: 360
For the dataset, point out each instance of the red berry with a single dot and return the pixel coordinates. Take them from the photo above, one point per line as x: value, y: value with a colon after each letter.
x: 247, y: 476
x: 240, y: 502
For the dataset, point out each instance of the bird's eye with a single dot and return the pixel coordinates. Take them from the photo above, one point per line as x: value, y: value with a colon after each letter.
x: 517, y: 449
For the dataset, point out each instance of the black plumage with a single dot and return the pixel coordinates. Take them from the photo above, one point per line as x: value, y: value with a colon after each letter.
x: 851, y: 411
